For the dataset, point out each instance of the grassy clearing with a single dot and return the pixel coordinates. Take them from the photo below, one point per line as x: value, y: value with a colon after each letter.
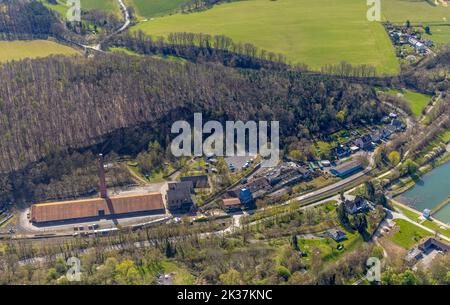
x: 398, y: 11
x: 109, y: 6
x: 408, y: 234
x: 170, y: 58
x: 124, y: 51
x: 445, y: 137
x: 436, y: 227
x: 3, y: 248
x: 417, y: 101
x: 314, y: 184
x: 427, y: 223
x: 20, y: 49
x: 408, y: 213
x: 317, y: 32
x: 154, y: 8
x: 328, y: 247
x: 181, y: 275
x: 155, y: 177
x: 61, y: 7
x: 440, y: 34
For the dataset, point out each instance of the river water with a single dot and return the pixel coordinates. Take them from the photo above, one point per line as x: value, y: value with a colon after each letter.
x: 432, y: 189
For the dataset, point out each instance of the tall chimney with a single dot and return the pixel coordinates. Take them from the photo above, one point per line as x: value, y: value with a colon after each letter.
x: 101, y: 172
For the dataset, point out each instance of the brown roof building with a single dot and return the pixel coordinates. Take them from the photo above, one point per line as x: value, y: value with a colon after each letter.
x: 231, y: 203
x: 97, y: 208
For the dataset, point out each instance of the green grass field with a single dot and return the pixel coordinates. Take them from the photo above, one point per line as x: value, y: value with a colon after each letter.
x: 417, y: 11
x: 316, y: 32
x: 124, y: 51
x: 20, y: 49
x: 110, y: 6
x: 408, y: 235
x: 181, y: 275
x: 101, y: 5
x: 328, y: 247
x: 415, y: 216
x: 154, y: 8
x: 439, y: 34
x: 417, y: 101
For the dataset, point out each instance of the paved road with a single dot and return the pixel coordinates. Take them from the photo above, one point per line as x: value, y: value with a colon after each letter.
x: 126, y: 16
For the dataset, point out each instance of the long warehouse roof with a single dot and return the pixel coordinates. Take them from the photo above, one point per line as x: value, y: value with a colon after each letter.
x: 85, y: 208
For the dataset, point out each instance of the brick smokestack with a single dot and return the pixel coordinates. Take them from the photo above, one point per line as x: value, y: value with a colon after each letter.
x: 101, y: 173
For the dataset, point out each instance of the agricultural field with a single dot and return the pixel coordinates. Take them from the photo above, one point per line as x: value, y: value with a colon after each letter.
x: 20, y: 49
x: 417, y: 101
x: 407, y: 234
x: 154, y: 8
x: 316, y: 33
x: 422, y: 11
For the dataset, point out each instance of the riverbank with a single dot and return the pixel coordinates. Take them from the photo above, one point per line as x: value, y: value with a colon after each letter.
x: 413, y: 214
x: 431, y: 192
x: 409, y: 182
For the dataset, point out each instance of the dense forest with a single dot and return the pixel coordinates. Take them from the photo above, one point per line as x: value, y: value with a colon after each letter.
x: 62, y: 110
x: 21, y: 19
x: 199, y: 5
x: 59, y: 104
x: 200, y: 48
x: 429, y: 75
x: 30, y: 19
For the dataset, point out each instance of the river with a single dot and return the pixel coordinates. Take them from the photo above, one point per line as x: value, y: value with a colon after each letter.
x: 432, y: 189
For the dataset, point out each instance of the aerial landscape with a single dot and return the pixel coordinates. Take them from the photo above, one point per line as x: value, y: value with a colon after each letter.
x: 225, y: 142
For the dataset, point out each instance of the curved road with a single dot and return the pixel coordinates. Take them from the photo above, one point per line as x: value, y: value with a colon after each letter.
x: 126, y: 16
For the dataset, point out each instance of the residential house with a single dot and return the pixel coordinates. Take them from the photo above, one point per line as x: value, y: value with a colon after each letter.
x: 376, y: 136
x: 326, y: 163
x: 337, y: 235
x: 398, y: 124
x: 386, y: 133
x: 354, y: 149
x: 197, y: 181
x: 393, y: 115
x: 358, y: 205
x: 413, y: 255
x: 179, y: 195
x: 341, y: 151
x: 417, y: 45
x: 364, y: 142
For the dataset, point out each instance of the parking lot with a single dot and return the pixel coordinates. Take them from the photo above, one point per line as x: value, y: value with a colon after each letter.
x: 237, y: 162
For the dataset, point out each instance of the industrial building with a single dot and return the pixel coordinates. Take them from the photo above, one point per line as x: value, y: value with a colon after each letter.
x: 97, y: 208
x: 231, y: 204
x: 346, y: 168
